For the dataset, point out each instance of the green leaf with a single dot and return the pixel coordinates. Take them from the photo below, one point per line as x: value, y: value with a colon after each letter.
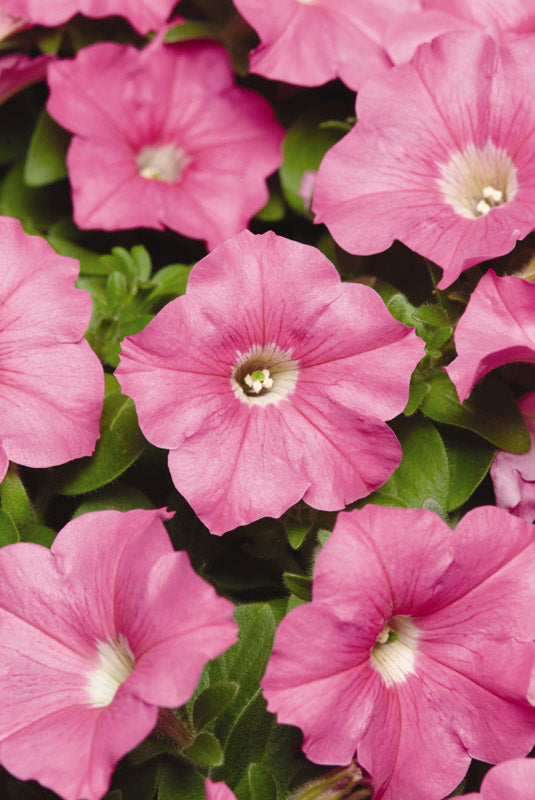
x: 38, y: 534
x: 417, y: 392
x: 120, y: 444
x: 469, y: 458
x: 169, y: 281
x: 37, y: 207
x: 142, y: 261
x: 45, y: 161
x: 303, y: 148
x: 205, y: 750
x: 439, y: 337
x: 179, y: 782
x: 116, y: 291
x: 491, y: 411
x: 14, y: 500
x: 422, y: 478
x: 432, y: 315
x: 189, y: 30
x: 210, y: 703
x: 299, y: 585
x: 323, y: 537
x: 274, y: 209
x: 401, y: 309
x: 118, y: 497
x: 261, y: 783
x: 296, y: 533
x: 8, y: 530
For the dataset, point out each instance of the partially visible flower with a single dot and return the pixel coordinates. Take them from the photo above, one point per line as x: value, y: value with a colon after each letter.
x: 441, y: 16
x: 513, y: 474
x: 18, y: 71
x: 164, y: 138
x: 143, y: 15
x: 9, y: 24
x: 51, y: 382
x: 217, y: 791
x: 269, y: 381
x: 498, y: 326
x: 442, y: 156
x: 309, y: 42
x: 400, y: 655
x: 97, y: 633
x: 514, y: 780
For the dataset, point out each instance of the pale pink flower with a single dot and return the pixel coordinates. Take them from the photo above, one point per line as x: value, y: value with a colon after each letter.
x: 513, y: 474
x: 309, y: 42
x: 218, y: 791
x: 269, y: 381
x: 440, y: 16
x: 97, y: 633
x: 51, y: 382
x: 401, y: 654
x: 442, y: 156
x: 514, y: 780
x: 18, y: 71
x: 143, y: 15
x: 9, y: 24
x: 164, y: 138
x: 498, y: 326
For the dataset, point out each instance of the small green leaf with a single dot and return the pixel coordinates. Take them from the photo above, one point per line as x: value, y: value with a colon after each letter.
x: 401, y: 309
x: 116, y: 291
x: 261, y: 783
x: 189, y: 30
x: 125, y: 263
x: 323, y: 537
x: 439, y: 338
x: 120, y: 444
x: 210, y: 703
x: 14, y: 500
x: 296, y: 533
x: 37, y: 207
x: 417, y: 392
x: 205, y: 750
x: 274, y: 209
x: 118, y: 497
x: 422, y: 478
x: 8, y: 530
x: 299, y: 585
x: 491, y: 411
x: 469, y: 458
x: 179, y: 782
x: 169, y: 281
x: 142, y: 261
x: 38, y: 534
x: 431, y: 315
x: 45, y: 161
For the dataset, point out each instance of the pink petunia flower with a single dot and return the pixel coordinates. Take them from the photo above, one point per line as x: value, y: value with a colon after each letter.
x: 513, y: 474
x: 51, y: 382
x: 400, y: 655
x: 96, y: 634
x: 18, y: 71
x: 309, y: 42
x: 514, y: 780
x: 164, y: 138
x: 441, y: 158
x: 269, y: 381
x: 498, y: 326
x: 9, y: 24
x: 440, y: 16
x: 217, y: 791
x: 143, y: 15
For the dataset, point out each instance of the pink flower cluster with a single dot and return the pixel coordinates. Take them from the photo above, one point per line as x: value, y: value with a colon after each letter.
x: 271, y: 381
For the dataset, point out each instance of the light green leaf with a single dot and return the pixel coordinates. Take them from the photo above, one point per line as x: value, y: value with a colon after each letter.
x: 210, y: 703
x: 299, y: 585
x: 205, y: 750
x: 8, y: 530
x: 261, y: 783
x: 45, y: 161
x: 117, y: 496
x: 14, y: 500
x: 38, y: 534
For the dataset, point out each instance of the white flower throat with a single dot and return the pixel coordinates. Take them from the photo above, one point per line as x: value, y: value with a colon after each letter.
x: 115, y: 664
x: 162, y: 162
x: 265, y: 374
x: 394, y: 652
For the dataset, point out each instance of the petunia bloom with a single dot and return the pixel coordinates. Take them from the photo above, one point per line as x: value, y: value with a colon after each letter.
x: 163, y: 138
x: 143, y: 15
x: 513, y: 474
x: 400, y: 655
x: 513, y: 779
x: 309, y: 42
x: 217, y: 791
x: 269, y: 381
x: 97, y: 633
x: 498, y: 326
x: 442, y: 156
x: 440, y: 16
x: 51, y: 382
x: 18, y: 71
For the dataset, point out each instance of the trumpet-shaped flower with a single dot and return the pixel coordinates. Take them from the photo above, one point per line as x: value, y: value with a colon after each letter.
x: 269, y: 381
x: 513, y: 474
x: 400, y: 655
x: 498, y: 326
x: 163, y: 138
x: 143, y: 15
x: 442, y: 156
x: 97, y: 633
x: 513, y: 779
x: 309, y: 42
x: 51, y: 382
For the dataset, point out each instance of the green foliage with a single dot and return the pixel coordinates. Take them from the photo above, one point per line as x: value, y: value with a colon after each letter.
x: 186, y: 31
x: 120, y: 444
x: 299, y: 585
x: 45, y: 160
x: 210, y: 703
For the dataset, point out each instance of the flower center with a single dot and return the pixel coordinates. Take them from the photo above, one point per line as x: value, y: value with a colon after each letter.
x: 394, y: 651
x: 478, y: 179
x: 266, y: 374
x: 115, y: 663
x: 162, y: 162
